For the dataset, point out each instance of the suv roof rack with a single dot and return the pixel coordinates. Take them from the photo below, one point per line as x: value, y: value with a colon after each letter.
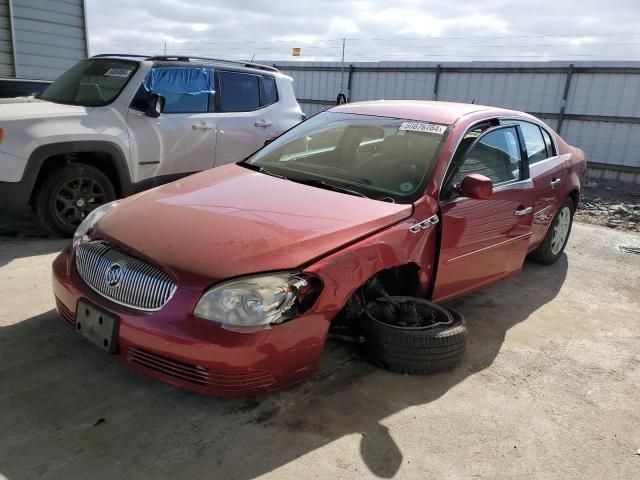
x: 119, y: 55
x: 186, y: 58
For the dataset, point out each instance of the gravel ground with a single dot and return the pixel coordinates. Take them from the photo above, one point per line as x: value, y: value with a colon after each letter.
x: 611, y: 207
x: 548, y: 389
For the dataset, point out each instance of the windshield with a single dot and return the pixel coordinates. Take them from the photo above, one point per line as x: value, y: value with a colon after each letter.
x: 380, y: 157
x: 91, y: 83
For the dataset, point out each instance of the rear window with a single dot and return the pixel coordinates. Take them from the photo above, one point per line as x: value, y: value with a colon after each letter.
x: 536, y: 148
x: 551, y: 151
x: 239, y: 92
x: 269, y: 94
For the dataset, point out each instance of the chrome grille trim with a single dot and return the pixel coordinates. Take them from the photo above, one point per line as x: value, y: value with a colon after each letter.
x: 141, y: 286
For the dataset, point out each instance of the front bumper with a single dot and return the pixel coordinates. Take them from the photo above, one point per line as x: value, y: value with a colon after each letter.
x: 15, y: 190
x: 14, y: 197
x: 195, y: 354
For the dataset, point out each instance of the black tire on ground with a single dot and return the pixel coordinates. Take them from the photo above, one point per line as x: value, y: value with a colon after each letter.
x: 68, y: 194
x: 544, y: 253
x: 415, y: 351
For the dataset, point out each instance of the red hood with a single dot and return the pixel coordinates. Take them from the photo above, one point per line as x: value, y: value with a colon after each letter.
x: 232, y: 221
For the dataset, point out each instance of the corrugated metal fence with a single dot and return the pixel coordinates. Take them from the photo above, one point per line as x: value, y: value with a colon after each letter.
x: 40, y: 39
x: 594, y: 105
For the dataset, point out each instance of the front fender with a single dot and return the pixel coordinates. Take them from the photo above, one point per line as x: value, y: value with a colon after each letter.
x: 40, y: 154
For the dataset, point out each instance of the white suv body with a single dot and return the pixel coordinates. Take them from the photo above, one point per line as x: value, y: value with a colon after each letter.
x: 91, y: 137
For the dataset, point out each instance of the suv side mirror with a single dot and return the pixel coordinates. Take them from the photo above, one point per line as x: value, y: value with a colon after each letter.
x: 476, y: 186
x: 155, y: 106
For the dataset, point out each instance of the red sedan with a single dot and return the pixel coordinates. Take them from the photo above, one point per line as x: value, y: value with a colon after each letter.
x: 357, y: 221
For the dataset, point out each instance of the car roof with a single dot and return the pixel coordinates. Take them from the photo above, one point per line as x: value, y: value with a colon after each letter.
x: 420, y: 110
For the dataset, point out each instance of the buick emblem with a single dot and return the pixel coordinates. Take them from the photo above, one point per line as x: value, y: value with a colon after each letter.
x: 113, y: 275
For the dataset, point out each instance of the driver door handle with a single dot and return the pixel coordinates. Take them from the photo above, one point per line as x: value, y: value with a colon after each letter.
x: 263, y: 123
x: 202, y: 126
x: 555, y: 182
x: 521, y: 212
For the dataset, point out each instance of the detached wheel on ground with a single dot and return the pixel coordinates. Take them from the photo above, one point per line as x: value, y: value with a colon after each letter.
x: 557, y: 236
x: 412, y: 335
x: 67, y: 196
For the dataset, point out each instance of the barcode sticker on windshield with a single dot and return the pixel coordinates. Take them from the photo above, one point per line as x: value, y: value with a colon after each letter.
x: 423, y: 127
x: 117, y: 72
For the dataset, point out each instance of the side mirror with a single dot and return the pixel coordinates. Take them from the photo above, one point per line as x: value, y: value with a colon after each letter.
x: 155, y: 106
x: 476, y: 186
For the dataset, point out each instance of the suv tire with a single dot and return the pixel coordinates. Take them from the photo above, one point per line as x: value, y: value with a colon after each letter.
x: 557, y: 235
x: 67, y: 195
x: 414, y: 350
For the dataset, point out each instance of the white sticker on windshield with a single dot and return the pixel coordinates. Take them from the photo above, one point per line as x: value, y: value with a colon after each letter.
x: 117, y: 72
x: 423, y: 127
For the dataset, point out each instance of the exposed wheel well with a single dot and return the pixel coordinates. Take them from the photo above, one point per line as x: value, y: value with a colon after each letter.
x: 402, y: 280
x: 100, y: 160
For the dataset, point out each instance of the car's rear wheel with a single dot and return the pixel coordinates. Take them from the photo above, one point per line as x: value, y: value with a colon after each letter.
x: 557, y: 236
x: 69, y: 194
x: 402, y: 342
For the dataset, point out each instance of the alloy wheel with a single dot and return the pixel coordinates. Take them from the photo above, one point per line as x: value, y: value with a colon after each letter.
x: 561, y: 230
x: 76, y: 198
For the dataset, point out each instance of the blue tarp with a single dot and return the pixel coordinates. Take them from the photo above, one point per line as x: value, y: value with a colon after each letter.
x: 184, y: 80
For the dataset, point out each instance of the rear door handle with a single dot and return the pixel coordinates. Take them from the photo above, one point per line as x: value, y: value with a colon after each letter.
x: 555, y: 182
x: 521, y: 212
x: 202, y: 126
x: 263, y: 123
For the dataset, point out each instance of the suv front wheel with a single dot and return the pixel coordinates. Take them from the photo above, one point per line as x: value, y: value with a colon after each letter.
x: 67, y: 196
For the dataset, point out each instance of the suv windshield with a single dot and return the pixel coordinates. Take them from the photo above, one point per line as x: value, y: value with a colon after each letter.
x: 380, y: 157
x: 91, y: 83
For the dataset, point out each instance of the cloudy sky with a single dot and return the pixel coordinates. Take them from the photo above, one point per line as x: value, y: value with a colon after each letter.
x: 397, y: 30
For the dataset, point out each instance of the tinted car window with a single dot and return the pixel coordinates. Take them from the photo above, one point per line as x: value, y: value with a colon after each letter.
x: 551, y: 151
x: 536, y: 148
x: 269, y: 91
x: 174, y: 102
x: 239, y: 92
x: 185, y: 103
x: 496, y: 156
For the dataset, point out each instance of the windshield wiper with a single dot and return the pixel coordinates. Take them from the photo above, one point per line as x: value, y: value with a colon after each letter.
x: 329, y: 186
x: 258, y: 168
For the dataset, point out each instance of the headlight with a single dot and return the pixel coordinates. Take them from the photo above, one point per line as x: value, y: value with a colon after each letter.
x: 253, y: 303
x: 91, y: 220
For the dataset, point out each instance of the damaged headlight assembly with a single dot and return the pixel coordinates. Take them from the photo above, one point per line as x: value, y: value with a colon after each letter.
x: 256, y: 302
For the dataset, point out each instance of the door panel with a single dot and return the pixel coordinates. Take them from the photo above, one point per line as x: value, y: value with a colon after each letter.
x: 549, y: 180
x: 242, y: 133
x: 171, y: 144
x: 482, y: 240
x: 485, y: 240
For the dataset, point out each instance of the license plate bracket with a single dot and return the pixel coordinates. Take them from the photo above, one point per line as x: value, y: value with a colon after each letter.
x: 97, y: 325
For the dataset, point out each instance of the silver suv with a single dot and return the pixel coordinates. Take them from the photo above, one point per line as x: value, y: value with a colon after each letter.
x: 113, y: 125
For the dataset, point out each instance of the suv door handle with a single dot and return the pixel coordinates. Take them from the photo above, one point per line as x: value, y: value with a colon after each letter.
x: 521, y: 212
x: 555, y: 182
x: 203, y: 126
x: 263, y: 123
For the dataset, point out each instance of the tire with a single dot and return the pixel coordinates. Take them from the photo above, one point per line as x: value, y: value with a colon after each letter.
x: 549, y: 251
x: 415, y: 351
x: 67, y: 195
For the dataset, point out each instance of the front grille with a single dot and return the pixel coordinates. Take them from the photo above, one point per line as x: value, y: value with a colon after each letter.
x: 198, y: 375
x: 122, y: 278
x: 65, y: 313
